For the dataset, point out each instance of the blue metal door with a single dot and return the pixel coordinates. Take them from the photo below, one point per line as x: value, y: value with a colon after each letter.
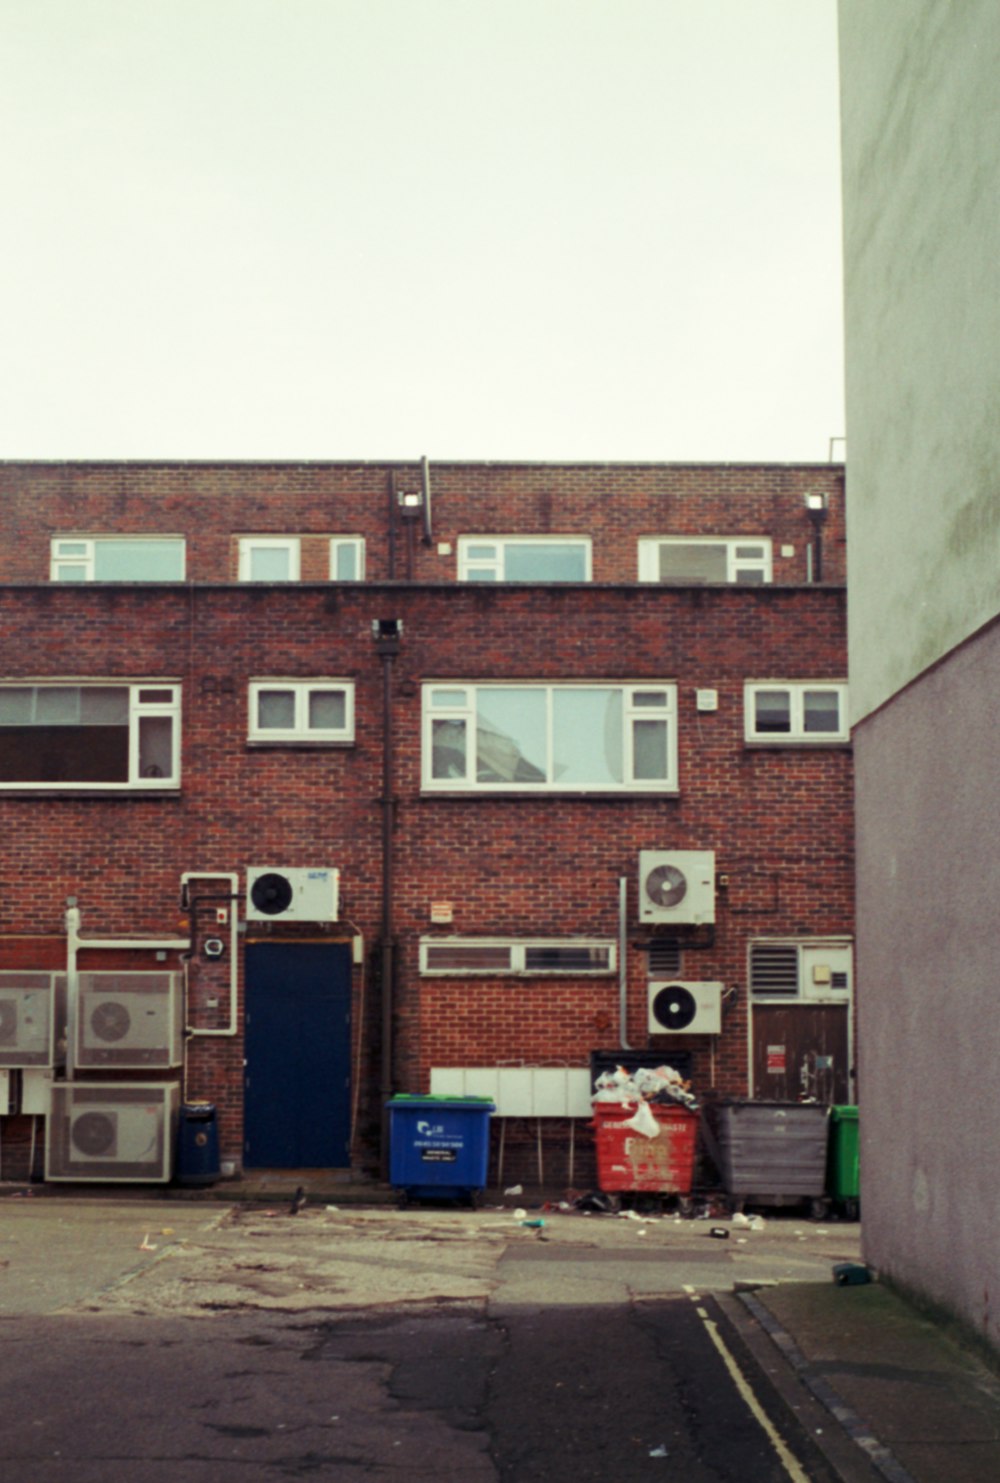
x: 297, y: 1091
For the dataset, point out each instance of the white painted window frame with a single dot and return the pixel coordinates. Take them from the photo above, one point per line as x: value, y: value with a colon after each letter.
x: 60, y: 558
x: 797, y: 736
x: 467, y: 711
x: 649, y: 562
x: 140, y: 706
x: 517, y: 948
x: 249, y: 544
x: 357, y: 545
x: 495, y: 565
x: 300, y: 732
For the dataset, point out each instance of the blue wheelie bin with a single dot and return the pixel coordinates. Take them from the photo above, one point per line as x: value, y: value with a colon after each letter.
x: 439, y: 1146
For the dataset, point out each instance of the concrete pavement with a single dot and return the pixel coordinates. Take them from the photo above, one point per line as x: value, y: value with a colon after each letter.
x: 887, y: 1393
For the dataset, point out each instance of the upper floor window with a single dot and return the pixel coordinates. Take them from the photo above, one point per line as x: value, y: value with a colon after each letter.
x: 560, y: 738
x: 269, y: 559
x: 524, y: 558
x: 803, y: 711
x: 117, y: 559
x: 692, y: 559
x: 508, y: 956
x: 318, y: 711
x: 98, y: 735
x: 347, y: 558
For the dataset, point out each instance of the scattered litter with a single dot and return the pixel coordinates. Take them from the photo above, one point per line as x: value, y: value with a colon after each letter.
x: 741, y: 1221
x: 720, y: 1233
x: 660, y: 1451
x: 145, y: 1245
x: 515, y: 1189
x: 629, y: 1215
x: 758, y: 1223
x: 333, y: 1209
x: 167, y: 1231
x: 533, y: 1225
x: 597, y: 1201
x: 642, y: 1232
x: 520, y: 1214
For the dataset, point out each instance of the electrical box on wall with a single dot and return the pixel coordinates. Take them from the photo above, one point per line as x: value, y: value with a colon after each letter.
x: 292, y: 894
x: 677, y: 886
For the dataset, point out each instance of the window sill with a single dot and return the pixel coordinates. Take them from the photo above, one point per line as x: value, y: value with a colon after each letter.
x: 282, y: 745
x: 782, y: 744
x: 556, y: 794
x: 84, y: 790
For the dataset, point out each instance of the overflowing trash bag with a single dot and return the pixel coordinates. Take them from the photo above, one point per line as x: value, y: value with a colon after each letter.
x: 661, y: 1085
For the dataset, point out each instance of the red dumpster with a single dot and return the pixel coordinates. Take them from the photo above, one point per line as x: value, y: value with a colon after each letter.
x: 628, y: 1161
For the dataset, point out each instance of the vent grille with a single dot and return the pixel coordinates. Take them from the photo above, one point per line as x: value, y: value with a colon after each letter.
x: 665, y: 958
x: 774, y: 969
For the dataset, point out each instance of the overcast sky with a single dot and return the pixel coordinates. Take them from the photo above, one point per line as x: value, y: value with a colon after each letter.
x: 472, y: 229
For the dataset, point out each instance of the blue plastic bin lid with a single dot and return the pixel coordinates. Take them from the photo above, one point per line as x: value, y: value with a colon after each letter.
x: 408, y: 1099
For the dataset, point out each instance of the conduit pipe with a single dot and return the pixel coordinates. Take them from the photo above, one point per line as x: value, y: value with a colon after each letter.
x: 233, y: 878
x: 622, y: 963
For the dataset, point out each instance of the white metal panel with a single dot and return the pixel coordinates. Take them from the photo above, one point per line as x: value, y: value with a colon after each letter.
x: 519, y: 1091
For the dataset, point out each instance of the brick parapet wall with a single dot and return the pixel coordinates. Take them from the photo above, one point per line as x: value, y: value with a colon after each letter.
x: 212, y: 504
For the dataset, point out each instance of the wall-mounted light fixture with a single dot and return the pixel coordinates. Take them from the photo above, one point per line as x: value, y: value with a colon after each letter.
x: 817, y: 503
x: 411, y: 503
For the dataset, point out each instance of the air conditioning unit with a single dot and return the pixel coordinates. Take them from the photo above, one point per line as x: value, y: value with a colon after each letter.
x: 677, y: 886
x: 278, y: 894
x: 128, y: 1020
x: 114, y: 1131
x: 32, y: 1018
x: 685, y: 1008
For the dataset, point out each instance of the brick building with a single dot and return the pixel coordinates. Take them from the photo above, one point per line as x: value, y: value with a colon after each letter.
x: 321, y: 781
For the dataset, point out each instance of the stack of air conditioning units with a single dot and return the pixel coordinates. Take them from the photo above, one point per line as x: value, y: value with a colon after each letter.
x: 677, y: 888
x: 119, y: 1131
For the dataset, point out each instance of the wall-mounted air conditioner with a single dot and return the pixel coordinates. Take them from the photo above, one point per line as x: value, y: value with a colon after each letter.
x: 685, y: 1008
x: 32, y: 1018
x: 279, y: 894
x: 677, y: 886
x: 111, y: 1131
x: 132, y: 1020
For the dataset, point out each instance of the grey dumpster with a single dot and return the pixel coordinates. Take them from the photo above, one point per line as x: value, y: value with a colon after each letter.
x: 773, y: 1153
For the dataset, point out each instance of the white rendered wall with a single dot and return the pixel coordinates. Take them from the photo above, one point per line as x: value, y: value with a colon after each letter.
x: 921, y: 140
x: 928, y: 974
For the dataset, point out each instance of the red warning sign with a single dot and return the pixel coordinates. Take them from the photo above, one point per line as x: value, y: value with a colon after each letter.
x: 776, y: 1059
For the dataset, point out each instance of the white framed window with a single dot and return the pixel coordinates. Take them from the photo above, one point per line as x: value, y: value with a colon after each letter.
x: 315, y: 711
x: 696, y: 559
x: 799, y: 712
x: 347, y: 558
x: 524, y: 558
x: 98, y: 735
x: 269, y: 558
x: 524, y: 957
x: 117, y: 559
x: 533, y: 737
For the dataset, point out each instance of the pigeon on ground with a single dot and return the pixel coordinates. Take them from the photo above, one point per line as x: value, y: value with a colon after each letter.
x: 298, y: 1201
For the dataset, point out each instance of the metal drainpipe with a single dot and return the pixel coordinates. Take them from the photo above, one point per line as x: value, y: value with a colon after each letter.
x: 386, y: 632
x: 425, y: 466
x: 622, y: 964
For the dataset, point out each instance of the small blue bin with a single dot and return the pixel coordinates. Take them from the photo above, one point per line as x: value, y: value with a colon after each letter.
x: 439, y: 1146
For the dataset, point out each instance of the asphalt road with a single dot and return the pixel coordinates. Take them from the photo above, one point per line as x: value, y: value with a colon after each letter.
x: 383, y: 1347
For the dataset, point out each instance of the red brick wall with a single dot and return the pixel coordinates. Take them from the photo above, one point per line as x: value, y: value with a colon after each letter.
x: 212, y: 504
x: 778, y: 819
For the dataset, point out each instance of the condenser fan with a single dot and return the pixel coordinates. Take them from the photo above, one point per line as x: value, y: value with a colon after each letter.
x: 666, y: 885
x: 8, y: 1022
x: 110, y: 1021
x: 94, y: 1134
x: 271, y: 894
x: 674, y: 1007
